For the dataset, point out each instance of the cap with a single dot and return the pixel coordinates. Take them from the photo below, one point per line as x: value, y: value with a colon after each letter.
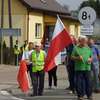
x: 82, y: 37
x: 37, y: 44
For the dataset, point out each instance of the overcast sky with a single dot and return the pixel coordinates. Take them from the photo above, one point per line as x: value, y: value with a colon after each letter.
x: 72, y: 4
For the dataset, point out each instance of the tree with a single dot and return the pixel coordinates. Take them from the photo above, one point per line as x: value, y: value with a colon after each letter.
x: 98, y: 8
x: 92, y: 3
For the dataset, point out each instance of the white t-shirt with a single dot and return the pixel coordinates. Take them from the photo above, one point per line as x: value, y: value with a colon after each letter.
x: 26, y: 55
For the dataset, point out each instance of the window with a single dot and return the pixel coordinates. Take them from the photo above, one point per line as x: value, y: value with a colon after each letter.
x: 50, y: 30
x: 38, y: 30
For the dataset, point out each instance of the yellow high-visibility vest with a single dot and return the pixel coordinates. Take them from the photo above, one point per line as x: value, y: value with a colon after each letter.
x: 38, y: 61
x: 16, y: 51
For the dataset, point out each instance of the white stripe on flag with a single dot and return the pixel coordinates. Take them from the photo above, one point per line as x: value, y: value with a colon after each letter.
x: 58, y: 28
x: 58, y: 59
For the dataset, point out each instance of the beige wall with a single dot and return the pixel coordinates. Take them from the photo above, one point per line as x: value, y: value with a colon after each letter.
x: 71, y: 26
x: 19, y: 19
x: 33, y: 19
x: 75, y: 30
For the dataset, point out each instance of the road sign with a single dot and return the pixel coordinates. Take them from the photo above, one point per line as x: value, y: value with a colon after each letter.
x: 86, y: 30
x: 10, y: 32
x: 87, y: 16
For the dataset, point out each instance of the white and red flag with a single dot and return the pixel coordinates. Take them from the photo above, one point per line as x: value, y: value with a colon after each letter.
x: 60, y: 40
x: 22, y: 77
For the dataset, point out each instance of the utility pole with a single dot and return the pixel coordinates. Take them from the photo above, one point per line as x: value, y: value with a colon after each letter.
x: 10, y: 22
x: 2, y: 22
x: 2, y: 13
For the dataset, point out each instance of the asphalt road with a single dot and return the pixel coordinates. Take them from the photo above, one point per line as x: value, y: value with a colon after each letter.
x: 9, y: 88
x: 7, y: 80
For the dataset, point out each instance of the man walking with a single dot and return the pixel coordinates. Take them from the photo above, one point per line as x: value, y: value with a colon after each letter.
x: 38, y: 58
x: 82, y: 55
x: 16, y: 53
x: 26, y: 56
x: 70, y: 65
x: 95, y: 65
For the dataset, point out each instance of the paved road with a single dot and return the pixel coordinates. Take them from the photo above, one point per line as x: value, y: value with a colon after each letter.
x: 9, y: 88
x: 7, y: 80
x: 5, y: 95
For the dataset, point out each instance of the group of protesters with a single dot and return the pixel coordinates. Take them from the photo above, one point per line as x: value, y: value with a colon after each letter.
x: 83, y: 59
x: 82, y: 64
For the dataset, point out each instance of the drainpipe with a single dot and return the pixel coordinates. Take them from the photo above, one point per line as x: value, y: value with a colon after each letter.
x: 27, y: 24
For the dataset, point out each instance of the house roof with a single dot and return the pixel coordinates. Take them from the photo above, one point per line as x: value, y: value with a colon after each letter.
x: 69, y: 17
x: 46, y: 5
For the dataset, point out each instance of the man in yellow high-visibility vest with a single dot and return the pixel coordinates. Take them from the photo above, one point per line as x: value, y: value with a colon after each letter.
x: 38, y: 58
x: 16, y: 53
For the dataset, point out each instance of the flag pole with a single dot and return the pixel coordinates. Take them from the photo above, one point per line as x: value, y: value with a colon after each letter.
x: 78, y: 53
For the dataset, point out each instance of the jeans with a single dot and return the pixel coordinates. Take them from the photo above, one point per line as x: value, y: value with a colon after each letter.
x: 38, y: 82
x: 84, y: 83
x: 29, y: 67
x: 95, y: 76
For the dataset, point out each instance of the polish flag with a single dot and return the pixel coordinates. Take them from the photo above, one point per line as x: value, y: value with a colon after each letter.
x: 22, y: 77
x: 60, y: 40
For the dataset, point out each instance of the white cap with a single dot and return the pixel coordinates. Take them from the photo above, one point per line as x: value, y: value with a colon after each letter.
x: 37, y: 44
x: 82, y: 37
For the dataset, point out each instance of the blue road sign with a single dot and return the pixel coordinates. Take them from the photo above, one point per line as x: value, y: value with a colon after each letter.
x: 10, y: 32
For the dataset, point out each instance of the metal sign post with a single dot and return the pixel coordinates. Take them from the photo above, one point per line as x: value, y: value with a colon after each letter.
x: 18, y: 48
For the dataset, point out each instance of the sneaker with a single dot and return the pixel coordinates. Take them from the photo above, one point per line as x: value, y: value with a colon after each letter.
x: 80, y: 98
x: 90, y: 98
x: 68, y: 88
x: 50, y: 87
x: 39, y: 94
x: 31, y: 87
x: 18, y: 87
x: 70, y: 92
x: 97, y: 91
x: 74, y: 92
x: 32, y: 95
x: 55, y: 87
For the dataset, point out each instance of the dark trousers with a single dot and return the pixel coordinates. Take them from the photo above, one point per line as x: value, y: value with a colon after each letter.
x: 38, y: 82
x: 84, y: 83
x: 16, y: 60
x: 53, y: 76
x: 29, y: 67
x: 71, y: 76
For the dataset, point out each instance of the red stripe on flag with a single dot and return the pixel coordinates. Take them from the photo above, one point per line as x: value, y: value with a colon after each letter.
x: 57, y: 45
x: 22, y: 77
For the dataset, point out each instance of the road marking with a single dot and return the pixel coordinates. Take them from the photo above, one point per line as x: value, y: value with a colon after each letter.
x: 5, y: 93
x: 16, y: 98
